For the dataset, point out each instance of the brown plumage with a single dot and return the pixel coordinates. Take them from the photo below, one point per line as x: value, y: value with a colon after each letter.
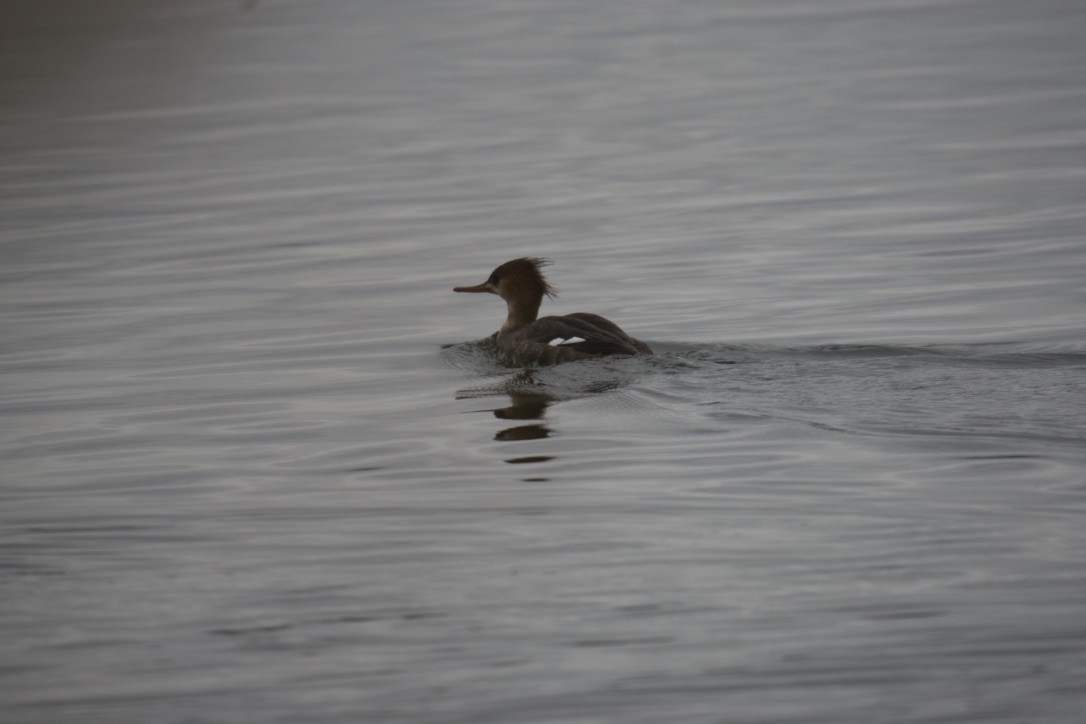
x: 548, y: 340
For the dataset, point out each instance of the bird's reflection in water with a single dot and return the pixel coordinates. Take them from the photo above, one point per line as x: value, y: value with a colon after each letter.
x: 523, y: 405
x: 523, y: 432
x: 531, y: 392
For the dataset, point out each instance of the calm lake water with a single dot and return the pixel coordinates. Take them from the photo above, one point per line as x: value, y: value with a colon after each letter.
x: 260, y: 464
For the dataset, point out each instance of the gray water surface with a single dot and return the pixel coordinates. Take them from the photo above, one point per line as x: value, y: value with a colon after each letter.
x: 259, y: 463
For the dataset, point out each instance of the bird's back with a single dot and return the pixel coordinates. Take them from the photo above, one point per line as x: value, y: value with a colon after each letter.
x: 578, y: 336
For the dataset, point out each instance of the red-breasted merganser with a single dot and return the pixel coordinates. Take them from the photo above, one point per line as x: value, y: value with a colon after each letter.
x: 548, y: 340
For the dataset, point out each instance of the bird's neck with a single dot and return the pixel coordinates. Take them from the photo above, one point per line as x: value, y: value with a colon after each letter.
x: 521, y: 312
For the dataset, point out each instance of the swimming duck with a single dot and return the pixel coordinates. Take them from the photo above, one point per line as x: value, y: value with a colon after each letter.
x: 548, y: 340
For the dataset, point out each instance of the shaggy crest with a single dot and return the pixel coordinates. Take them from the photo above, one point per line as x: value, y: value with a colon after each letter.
x: 527, y: 274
